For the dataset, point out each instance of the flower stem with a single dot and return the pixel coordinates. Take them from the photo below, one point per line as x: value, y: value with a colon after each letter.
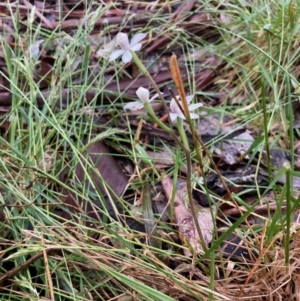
x: 155, y: 119
x: 182, y: 133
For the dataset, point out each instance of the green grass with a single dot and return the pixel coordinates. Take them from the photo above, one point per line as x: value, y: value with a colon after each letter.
x: 49, y: 132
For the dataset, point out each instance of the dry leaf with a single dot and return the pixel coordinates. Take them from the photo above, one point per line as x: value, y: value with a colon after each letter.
x: 186, y: 224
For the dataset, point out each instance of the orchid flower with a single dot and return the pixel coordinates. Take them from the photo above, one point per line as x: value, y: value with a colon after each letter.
x: 123, y: 42
x: 144, y: 96
x: 176, y: 112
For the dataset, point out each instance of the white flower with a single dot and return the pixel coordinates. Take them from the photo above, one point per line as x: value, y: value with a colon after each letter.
x: 143, y: 94
x: 134, y: 45
x: 176, y: 112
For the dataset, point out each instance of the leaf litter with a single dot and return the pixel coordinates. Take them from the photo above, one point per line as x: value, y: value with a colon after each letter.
x: 99, y: 174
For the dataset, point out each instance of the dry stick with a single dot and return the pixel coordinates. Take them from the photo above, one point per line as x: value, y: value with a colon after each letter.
x: 50, y: 283
x: 37, y: 12
x: 24, y: 265
x: 258, y: 210
x: 179, y: 85
x: 177, y: 101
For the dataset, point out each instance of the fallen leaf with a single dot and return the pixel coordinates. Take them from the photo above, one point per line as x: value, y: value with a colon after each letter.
x: 107, y: 177
x: 186, y: 224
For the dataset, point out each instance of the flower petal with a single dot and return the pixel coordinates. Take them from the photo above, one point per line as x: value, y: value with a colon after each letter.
x: 135, y: 105
x: 122, y: 40
x: 181, y: 116
x: 154, y: 96
x: 126, y: 57
x: 136, y: 39
x: 174, y: 107
x: 173, y: 117
x: 136, y: 47
x: 115, y: 54
x: 195, y: 106
x: 142, y: 94
x: 189, y: 98
x: 194, y: 116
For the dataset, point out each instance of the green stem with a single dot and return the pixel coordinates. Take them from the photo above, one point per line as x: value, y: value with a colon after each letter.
x: 185, y: 142
x: 182, y: 133
x: 289, y: 213
x: 155, y: 119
